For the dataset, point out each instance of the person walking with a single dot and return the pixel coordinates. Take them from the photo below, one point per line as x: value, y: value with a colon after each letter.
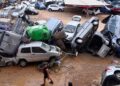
x: 46, y: 75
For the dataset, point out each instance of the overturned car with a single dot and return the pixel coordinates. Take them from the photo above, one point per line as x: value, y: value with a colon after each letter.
x: 112, y: 33
x: 84, y: 33
x: 108, y: 40
x: 98, y: 45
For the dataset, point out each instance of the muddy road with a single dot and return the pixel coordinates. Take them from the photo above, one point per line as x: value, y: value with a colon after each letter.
x: 81, y: 70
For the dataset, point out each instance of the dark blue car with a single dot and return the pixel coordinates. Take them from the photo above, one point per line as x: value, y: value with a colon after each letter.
x: 112, y: 32
x: 40, y: 5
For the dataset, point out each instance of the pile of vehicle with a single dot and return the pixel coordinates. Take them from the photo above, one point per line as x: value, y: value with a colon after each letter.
x: 32, y: 41
x: 23, y: 40
x: 18, y: 9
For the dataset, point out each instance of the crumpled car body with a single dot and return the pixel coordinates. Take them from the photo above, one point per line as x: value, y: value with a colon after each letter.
x: 112, y: 31
x: 54, y: 24
x: 99, y: 45
x: 38, y: 33
x: 85, y: 32
x: 71, y: 29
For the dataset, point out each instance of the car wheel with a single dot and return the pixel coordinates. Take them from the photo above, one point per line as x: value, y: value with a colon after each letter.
x: 49, y: 9
x: 117, y: 74
x: 61, y: 10
x: 23, y: 63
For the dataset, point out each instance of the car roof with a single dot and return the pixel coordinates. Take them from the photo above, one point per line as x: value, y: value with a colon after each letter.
x: 32, y: 44
x: 52, y: 23
x: 74, y: 23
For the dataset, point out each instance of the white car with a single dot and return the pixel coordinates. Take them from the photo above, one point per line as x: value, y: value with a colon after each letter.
x: 34, y: 52
x: 76, y: 18
x: 55, y: 7
x: 113, y: 72
x: 6, y: 11
x: 71, y: 29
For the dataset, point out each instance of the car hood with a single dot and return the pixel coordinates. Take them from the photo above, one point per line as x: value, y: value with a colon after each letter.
x: 54, y: 49
x: 69, y: 35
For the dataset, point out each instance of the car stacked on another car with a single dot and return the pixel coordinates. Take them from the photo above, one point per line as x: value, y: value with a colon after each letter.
x: 54, y: 24
x: 85, y: 31
x: 55, y: 7
x: 71, y: 29
x: 112, y: 32
x: 33, y: 52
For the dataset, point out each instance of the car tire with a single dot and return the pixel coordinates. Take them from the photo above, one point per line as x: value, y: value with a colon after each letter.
x: 22, y: 63
x: 49, y: 10
x: 117, y: 74
x: 61, y: 10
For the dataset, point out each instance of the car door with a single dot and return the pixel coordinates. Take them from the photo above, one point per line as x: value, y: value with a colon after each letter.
x: 39, y: 54
x: 25, y: 54
x: 55, y: 7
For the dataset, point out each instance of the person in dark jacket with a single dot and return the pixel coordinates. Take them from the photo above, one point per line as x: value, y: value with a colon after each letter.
x: 46, y: 75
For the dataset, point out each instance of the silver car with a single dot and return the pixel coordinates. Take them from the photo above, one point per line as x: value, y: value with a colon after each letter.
x: 111, y: 76
x: 71, y: 29
x: 32, y: 52
x: 36, y: 51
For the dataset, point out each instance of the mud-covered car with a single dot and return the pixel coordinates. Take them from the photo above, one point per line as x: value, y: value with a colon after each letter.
x: 85, y: 32
x: 54, y: 24
x: 112, y: 32
x: 111, y: 76
x: 6, y: 61
x: 71, y: 29
x: 32, y: 52
x: 99, y: 45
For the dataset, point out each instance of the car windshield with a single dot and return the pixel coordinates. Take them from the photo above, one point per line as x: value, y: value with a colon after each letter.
x: 112, y: 25
x: 45, y: 47
x: 70, y: 29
